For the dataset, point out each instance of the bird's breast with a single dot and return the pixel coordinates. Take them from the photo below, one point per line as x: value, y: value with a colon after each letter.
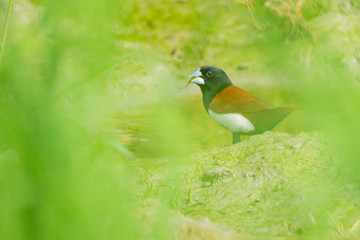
x: 235, y: 122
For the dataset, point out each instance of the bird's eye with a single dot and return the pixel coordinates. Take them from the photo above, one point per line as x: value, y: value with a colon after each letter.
x: 209, y: 73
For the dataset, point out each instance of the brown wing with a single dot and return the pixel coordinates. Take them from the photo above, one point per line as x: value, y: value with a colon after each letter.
x: 261, y: 114
x: 236, y: 100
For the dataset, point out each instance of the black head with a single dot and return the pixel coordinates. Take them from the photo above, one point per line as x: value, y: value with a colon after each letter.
x: 210, y: 79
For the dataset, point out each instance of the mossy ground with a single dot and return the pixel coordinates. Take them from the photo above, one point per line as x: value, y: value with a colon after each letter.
x: 269, y: 186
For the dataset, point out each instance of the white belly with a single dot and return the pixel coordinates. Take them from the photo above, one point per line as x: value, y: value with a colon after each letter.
x: 235, y: 122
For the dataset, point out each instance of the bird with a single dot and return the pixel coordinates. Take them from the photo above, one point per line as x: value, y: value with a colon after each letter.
x: 234, y: 108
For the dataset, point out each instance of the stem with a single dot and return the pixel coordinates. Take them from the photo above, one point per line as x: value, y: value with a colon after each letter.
x: 189, y: 192
x: 2, y: 46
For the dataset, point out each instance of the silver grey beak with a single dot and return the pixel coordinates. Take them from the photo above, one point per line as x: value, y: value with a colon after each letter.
x: 196, y: 77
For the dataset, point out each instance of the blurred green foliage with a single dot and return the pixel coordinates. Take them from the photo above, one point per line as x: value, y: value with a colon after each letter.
x: 95, y: 123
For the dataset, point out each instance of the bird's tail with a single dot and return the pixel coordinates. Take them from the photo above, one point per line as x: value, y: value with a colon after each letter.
x: 288, y: 109
x: 268, y: 118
